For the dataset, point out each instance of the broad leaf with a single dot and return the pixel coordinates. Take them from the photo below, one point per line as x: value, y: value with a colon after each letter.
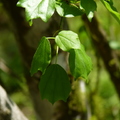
x: 38, y: 8
x: 109, y: 5
x: 66, y: 10
x: 54, y: 84
x: 67, y: 40
x: 89, y: 6
x: 42, y: 56
x: 80, y: 63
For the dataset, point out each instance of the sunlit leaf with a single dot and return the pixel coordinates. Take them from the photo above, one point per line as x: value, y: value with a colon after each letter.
x: 54, y: 84
x: 80, y: 63
x: 114, y: 45
x: 67, y: 40
x: 90, y: 16
x: 38, y: 8
x: 66, y: 10
x: 109, y: 5
x: 42, y: 56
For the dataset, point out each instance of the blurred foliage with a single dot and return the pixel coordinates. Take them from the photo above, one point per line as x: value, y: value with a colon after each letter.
x: 100, y: 93
x: 11, y: 68
x: 10, y: 59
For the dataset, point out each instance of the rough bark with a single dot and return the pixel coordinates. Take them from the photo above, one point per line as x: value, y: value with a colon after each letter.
x: 8, y: 109
x: 100, y: 41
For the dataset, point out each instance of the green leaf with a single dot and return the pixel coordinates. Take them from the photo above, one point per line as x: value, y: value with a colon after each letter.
x: 42, y: 56
x: 109, y: 5
x: 89, y: 6
x: 90, y: 16
x: 80, y: 63
x: 67, y: 40
x: 66, y: 10
x: 54, y: 84
x: 38, y: 8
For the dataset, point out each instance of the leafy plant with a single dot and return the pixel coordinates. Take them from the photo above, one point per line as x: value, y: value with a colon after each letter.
x: 54, y: 84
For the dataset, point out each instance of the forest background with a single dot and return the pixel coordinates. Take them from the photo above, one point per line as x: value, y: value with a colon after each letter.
x: 96, y: 100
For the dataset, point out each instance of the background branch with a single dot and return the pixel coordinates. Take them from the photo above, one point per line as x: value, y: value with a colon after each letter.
x: 101, y: 44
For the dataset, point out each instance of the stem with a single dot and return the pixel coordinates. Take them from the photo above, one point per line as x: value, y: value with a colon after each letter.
x: 56, y: 54
x: 50, y: 38
x: 60, y: 26
x: 61, y: 23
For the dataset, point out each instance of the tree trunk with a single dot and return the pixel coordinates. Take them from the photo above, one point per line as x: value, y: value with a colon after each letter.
x: 100, y: 42
x: 8, y: 109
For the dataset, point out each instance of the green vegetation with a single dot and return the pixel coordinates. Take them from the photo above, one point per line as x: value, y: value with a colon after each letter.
x: 84, y: 62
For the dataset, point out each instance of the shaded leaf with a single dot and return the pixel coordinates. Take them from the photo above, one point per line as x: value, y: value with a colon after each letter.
x: 109, y: 5
x: 89, y: 6
x: 42, y: 56
x: 80, y: 63
x: 54, y: 84
x: 67, y: 40
x: 66, y: 10
x: 38, y: 8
